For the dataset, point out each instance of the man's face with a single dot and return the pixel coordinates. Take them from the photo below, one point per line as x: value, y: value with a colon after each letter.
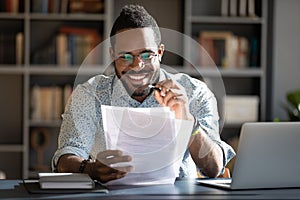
x: 137, y: 60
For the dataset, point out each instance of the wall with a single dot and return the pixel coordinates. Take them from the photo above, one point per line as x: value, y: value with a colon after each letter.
x: 286, y: 53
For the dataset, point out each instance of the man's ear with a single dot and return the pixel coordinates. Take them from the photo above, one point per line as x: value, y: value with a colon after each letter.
x: 160, y: 51
x: 111, y: 53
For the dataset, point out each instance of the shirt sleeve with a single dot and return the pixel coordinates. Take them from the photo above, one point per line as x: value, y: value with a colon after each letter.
x: 203, y: 106
x: 79, y: 125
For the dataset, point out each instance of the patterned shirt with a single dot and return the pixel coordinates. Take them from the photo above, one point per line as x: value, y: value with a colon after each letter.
x: 82, y: 132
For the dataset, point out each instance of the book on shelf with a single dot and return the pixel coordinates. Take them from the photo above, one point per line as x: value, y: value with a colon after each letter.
x: 251, y: 8
x: 11, y: 6
x: 233, y: 8
x: 45, y: 54
x: 241, y: 8
x: 223, y: 49
x: 86, y: 6
x: 65, y: 181
x: 70, y: 47
x: 217, y: 46
x: 62, y: 53
x: 254, y: 52
x: 9, y: 47
x: 19, y: 48
x: 39, y: 6
x: 67, y: 93
x: 76, y: 43
x: 224, y: 7
x: 47, y: 102
x: 66, y: 6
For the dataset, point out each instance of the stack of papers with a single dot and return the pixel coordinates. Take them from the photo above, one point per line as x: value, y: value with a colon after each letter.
x: 65, y: 181
x: 152, y: 136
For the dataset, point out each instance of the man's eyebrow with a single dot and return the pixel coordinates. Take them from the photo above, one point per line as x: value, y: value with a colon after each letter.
x: 128, y: 52
x: 123, y: 52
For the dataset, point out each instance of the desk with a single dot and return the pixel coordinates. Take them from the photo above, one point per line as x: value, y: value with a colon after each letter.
x: 182, y: 189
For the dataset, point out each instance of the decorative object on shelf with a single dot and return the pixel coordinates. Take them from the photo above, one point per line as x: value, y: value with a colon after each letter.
x: 2, y: 175
x: 240, y: 108
x: 39, y: 141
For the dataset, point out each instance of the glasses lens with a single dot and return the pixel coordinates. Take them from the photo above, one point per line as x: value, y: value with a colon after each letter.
x: 128, y: 58
x: 146, y: 57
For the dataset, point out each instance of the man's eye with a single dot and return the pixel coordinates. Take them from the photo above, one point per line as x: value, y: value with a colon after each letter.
x: 146, y: 56
x: 127, y: 57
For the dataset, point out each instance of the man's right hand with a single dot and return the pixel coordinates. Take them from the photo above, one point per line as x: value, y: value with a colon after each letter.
x: 104, y: 169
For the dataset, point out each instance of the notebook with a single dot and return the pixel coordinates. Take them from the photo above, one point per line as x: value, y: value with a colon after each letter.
x: 65, y: 181
x: 267, y: 157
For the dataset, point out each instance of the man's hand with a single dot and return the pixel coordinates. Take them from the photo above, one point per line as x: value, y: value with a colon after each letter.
x: 102, y: 169
x: 108, y: 166
x: 173, y: 95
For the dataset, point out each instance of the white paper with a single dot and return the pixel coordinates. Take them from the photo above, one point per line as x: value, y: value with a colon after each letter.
x: 152, y: 136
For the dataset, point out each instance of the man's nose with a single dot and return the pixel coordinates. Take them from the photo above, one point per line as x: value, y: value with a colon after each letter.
x: 137, y: 63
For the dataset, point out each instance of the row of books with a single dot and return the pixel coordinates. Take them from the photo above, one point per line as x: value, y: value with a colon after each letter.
x: 11, y: 48
x: 47, y: 102
x: 12, y: 6
x: 242, y: 8
x: 70, y: 47
x: 67, y: 6
x: 224, y: 49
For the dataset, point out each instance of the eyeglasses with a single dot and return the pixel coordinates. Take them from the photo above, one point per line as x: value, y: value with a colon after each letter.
x: 128, y: 58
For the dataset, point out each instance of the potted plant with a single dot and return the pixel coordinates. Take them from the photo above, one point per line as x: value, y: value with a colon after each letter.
x: 293, y: 106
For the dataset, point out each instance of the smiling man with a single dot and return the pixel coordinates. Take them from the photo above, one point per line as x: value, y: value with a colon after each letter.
x: 137, y: 60
x: 136, y: 51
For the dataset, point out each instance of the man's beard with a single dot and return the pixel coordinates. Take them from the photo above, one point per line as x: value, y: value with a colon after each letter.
x: 143, y: 90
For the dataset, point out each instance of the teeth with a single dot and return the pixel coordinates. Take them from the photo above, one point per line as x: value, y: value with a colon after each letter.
x: 137, y: 77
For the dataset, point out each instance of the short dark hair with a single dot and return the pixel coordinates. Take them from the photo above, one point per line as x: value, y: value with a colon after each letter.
x: 134, y: 16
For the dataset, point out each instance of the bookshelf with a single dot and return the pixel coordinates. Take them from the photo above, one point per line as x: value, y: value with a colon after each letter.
x: 27, y: 144
x: 250, y: 79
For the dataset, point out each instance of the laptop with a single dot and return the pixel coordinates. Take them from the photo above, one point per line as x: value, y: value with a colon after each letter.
x: 268, y: 156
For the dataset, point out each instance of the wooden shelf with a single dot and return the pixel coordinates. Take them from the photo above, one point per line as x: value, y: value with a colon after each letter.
x: 66, y: 17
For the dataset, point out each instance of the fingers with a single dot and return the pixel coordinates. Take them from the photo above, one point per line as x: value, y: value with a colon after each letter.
x: 108, y: 165
x: 104, y: 173
x: 169, y: 93
x: 112, y: 176
x: 110, y: 157
x: 107, y: 153
x: 173, y: 95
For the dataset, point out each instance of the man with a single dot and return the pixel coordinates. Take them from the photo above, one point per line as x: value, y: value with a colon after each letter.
x: 137, y: 51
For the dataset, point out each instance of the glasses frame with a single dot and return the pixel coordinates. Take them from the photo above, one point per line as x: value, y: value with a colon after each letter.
x: 149, y: 60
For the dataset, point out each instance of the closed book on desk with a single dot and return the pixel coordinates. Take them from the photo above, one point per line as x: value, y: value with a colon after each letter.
x: 65, y: 181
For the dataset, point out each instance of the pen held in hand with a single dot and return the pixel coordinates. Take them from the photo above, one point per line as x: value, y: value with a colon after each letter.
x: 152, y: 87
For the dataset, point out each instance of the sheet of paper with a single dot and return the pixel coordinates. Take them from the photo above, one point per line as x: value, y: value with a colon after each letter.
x: 152, y: 136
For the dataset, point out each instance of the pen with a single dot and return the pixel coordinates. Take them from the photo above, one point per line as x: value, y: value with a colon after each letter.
x: 154, y: 88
